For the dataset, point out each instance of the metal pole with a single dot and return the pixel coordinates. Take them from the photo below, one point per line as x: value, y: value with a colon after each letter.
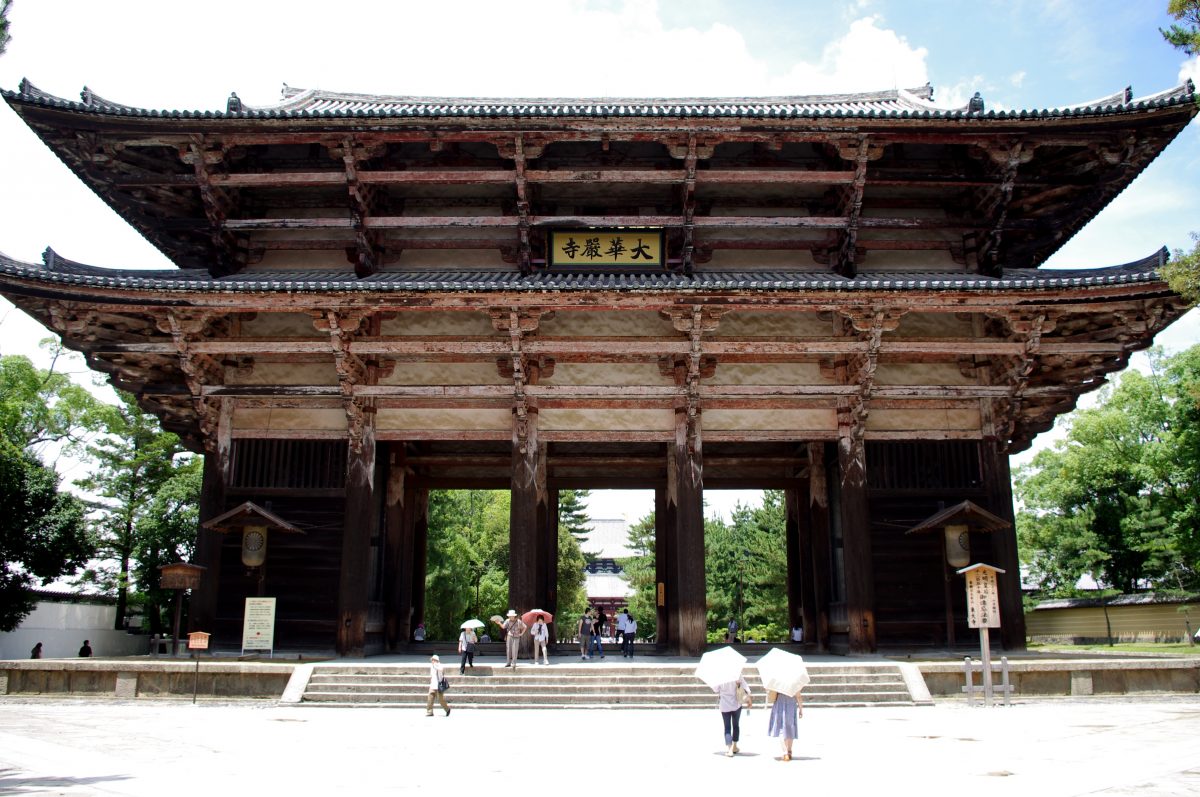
x: 175, y: 627
x: 196, y: 678
x: 987, y: 666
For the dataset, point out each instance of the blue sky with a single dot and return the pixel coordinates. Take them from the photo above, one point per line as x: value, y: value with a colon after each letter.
x: 1017, y: 54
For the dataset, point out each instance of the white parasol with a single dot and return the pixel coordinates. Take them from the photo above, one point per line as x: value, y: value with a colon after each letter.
x: 472, y: 624
x: 783, y: 672
x: 720, y: 666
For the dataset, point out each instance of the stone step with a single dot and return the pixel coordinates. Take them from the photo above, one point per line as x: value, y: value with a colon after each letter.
x: 476, y: 685
x: 524, y: 699
x: 536, y: 677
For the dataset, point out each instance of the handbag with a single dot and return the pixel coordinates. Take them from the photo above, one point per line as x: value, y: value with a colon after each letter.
x: 470, y: 647
x: 443, y: 684
x: 743, y: 698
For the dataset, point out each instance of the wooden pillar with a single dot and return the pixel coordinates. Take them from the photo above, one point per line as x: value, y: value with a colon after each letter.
x: 218, y: 464
x: 527, y: 515
x: 548, y: 585
x: 359, y: 526
x: 418, y: 522
x: 689, y: 613
x: 997, y: 479
x: 663, y: 594
x: 396, y: 586
x: 819, y: 564
x: 856, y: 544
x: 801, y: 598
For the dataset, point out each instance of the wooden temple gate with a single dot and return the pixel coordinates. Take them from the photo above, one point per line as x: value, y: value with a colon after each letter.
x: 379, y: 296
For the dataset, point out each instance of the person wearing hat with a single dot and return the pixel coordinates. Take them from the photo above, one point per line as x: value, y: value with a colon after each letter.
x: 514, y: 629
x: 436, y: 674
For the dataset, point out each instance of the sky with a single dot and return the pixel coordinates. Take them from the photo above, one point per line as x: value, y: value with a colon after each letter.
x: 150, y: 53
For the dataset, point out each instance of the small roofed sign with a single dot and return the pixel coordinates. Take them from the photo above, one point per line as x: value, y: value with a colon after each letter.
x: 198, y: 640
x: 606, y: 248
x: 983, y: 599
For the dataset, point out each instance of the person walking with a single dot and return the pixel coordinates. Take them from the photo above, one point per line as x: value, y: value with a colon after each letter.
x: 36, y: 653
x: 731, y: 631
x: 514, y: 629
x: 585, y: 634
x: 85, y: 652
x: 541, y: 639
x: 622, y: 621
x: 785, y: 710
x: 597, y: 644
x: 466, y: 646
x: 437, y: 677
x: 729, y: 702
x: 630, y: 635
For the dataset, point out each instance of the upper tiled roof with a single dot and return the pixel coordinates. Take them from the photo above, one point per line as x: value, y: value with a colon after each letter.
x: 59, y: 271
x: 896, y: 103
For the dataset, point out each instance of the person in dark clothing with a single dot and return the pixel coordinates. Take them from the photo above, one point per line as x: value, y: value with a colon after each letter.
x: 85, y: 652
x: 36, y: 653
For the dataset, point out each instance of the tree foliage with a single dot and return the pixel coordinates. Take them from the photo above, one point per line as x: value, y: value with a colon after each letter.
x: 745, y: 561
x: 5, y: 6
x: 1118, y: 497
x: 572, y: 513
x: 1182, y: 272
x: 1185, y: 37
x: 133, y: 460
x: 643, y: 577
x: 165, y: 534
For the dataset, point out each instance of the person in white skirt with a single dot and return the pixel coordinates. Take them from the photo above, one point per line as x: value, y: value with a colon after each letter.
x: 541, y: 638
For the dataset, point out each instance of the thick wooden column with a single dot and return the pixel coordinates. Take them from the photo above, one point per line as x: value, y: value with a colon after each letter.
x: 997, y: 479
x: 361, y: 520
x: 799, y: 552
x: 856, y: 544
x: 664, y: 523
x: 548, y: 584
x: 396, y: 586
x: 417, y: 523
x: 202, y: 606
x: 527, y: 515
x: 686, y: 491
x: 819, y: 564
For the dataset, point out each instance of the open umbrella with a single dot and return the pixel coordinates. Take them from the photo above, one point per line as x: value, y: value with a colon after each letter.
x: 472, y: 623
x: 530, y: 617
x: 720, y: 666
x: 783, y: 672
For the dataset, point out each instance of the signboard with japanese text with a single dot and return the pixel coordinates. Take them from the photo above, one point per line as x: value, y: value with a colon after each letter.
x: 619, y: 248
x: 983, y: 600
x: 198, y: 640
x: 258, y: 626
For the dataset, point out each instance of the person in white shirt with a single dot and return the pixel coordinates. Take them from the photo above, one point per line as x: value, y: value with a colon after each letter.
x: 630, y: 635
x: 622, y: 621
x: 797, y: 633
x: 541, y: 637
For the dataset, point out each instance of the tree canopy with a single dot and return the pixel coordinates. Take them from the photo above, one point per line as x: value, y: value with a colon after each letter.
x: 1186, y: 37
x: 5, y: 5
x: 1119, y: 497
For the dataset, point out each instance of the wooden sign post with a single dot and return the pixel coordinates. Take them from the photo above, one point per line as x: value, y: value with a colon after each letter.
x: 983, y: 612
x: 197, y: 640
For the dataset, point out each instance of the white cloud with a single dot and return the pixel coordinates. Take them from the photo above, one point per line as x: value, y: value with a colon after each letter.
x: 867, y: 58
x: 1190, y: 70
x: 1017, y: 79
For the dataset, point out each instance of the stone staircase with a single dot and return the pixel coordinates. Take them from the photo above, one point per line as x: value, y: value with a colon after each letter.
x: 593, y: 685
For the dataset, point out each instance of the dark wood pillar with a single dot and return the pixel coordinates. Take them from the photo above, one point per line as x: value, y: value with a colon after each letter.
x: 418, y: 522
x: 689, y: 613
x: 548, y: 584
x: 997, y: 479
x: 663, y: 524
x: 361, y: 521
x: 856, y: 544
x: 202, y: 606
x: 527, y: 516
x: 819, y: 564
x: 397, y: 589
x: 799, y: 551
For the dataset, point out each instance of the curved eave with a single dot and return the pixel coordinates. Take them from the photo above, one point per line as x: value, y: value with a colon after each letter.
x: 59, y: 273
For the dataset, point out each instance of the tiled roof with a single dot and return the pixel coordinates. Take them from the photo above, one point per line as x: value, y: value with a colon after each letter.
x: 897, y: 103
x: 59, y: 271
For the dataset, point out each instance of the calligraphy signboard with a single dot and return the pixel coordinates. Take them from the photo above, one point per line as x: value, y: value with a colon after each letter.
x: 606, y: 248
x: 258, y: 626
x: 983, y: 600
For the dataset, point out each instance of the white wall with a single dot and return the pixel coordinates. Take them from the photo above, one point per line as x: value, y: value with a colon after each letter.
x: 62, y: 627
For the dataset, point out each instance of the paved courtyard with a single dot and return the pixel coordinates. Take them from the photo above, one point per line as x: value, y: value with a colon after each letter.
x: 1095, y: 746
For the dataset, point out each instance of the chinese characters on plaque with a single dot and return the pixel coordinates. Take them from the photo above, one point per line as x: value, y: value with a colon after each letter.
x: 633, y: 248
x: 983, y: 603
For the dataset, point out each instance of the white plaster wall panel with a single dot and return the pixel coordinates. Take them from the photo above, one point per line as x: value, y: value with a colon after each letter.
x: 441, y: 420
x: 934, y: 325
x: 425, y: 373
x: 773, y: 325
x: 295, y: 260
x: 798, y: 420
x: 917, y: 260
x: 767, y: 374
x: 289, y: 419
x: 439, y: 324
x: 920, y: 374
x: 604, y: 324
x: 758, y: 259
x: 915, y: 420
x: 581, y: 420
x: 606, y: 374
x: 450, y: 259
x: 280, y: 325
x: 266, y: 373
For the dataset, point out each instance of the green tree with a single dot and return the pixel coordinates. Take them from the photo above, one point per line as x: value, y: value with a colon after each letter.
x: 1118, y: 497
x: 743, y: 563
x: 134, y: 459
x: 166, y: 534
x: 44, y: 411
x: 467, y: 574
x: 1185, y: 37
x: 1182, y: 272
x: 572, y: 513
x: 5, y: 5
x: 641, y: 572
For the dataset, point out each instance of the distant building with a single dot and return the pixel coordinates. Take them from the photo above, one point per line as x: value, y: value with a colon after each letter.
x: 607, y: 542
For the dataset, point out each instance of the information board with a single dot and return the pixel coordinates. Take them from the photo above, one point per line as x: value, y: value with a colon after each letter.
x: 983, y: 600
x: 258, y: 627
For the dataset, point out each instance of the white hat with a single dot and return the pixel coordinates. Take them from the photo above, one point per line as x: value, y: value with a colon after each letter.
x: 512, y: 613
x: 434, y: 657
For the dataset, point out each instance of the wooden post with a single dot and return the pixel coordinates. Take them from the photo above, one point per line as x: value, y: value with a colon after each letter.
x: 419, y: 518
x: 819, y: 563
x: 663, y: 523
x: 526, y: 514
x: 549, y: 544
x: 856, y: 544
x: 997, y: 480
x: 689, y: 614
x: 396, y: 588
x: 218, y: 463
x: 794, y: 538
x: 361, y: 518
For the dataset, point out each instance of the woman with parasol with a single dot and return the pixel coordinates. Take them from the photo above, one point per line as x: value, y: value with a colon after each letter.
x: 467, y: 641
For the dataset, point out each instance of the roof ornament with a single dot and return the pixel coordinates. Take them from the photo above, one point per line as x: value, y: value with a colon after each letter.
x: 87, y: 97
x: 24, y: 86
x: 976, y: 104
x: 233, y: 104
x: 1128, y: 94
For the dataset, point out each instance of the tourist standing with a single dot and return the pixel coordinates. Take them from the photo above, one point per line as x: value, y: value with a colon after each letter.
x: 541, y: 639
x: 622, y: 620
x: 437, y: 686
x: 630, y: 635
x: 85, y: 652
x: 514, y: 629
x: 585, y: 634
x: 785, y: 710
x: 730, y: 705
x: 36, y: 653
x: 731, y: 631
x: 597, y: 630
x: 466, y: 646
